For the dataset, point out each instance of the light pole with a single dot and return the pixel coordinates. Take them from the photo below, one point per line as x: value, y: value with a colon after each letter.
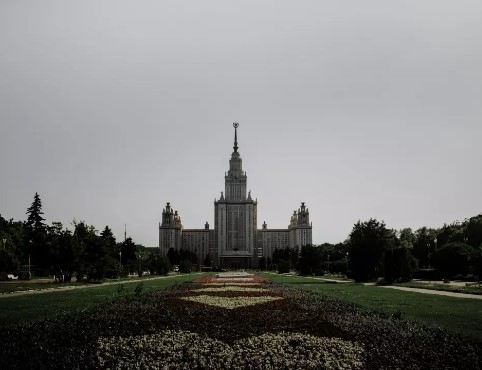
x: 4, y: 241
x: 120, y: 260
x: 429, y: 255
x: 139, y: 263
x: 29, y: 250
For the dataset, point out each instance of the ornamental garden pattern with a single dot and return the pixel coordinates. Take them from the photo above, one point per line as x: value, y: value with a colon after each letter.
x: 233, y: 321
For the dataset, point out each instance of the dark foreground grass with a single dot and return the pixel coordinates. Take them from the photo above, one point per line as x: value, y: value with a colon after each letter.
x: 44, y: 305
x: 461, y: 315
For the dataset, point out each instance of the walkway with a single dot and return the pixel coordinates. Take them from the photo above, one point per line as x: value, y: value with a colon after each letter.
x: 436, y: 292
x: 407, y: 289
x: 72, y: 287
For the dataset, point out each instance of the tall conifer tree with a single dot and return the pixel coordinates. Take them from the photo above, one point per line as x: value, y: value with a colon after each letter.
x: 37, y: 233
x: 35, y: 221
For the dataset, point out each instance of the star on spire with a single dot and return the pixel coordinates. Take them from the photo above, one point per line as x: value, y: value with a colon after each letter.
x: 235, y: 125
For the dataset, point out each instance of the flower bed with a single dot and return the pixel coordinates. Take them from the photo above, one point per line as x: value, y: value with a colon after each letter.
x: 232, y: 288
x: 281, y: 328
x: 230, y: 302
x: 181, y: 349
x: 232, y: 278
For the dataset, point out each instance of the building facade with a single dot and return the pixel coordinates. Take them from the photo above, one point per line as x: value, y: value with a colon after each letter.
x: 235, y: 241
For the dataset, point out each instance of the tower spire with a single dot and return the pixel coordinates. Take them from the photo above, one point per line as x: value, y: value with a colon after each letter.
x: 235, y: 125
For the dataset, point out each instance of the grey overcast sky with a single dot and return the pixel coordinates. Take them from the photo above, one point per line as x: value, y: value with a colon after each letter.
x: 109, y: 109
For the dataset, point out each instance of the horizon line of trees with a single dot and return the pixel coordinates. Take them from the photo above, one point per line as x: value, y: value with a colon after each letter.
x: 373, y: 251
x: 33, y: 246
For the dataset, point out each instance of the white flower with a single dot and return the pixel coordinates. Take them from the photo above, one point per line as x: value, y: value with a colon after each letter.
x: 230, y: 302
x: 231, y: 289
x: 185, y: 350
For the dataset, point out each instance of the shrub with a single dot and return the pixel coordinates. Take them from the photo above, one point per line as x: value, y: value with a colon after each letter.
x: 185, y: 266
x: 284, y: 267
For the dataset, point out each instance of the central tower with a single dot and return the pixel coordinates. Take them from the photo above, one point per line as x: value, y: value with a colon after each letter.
x: 235, y: 216
x: 235, y: 180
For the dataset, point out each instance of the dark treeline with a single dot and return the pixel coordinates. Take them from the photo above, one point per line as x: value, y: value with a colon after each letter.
x: 370, y: 252
x: 373, y: 251
x: 185, y: 259
x: 33, y: 246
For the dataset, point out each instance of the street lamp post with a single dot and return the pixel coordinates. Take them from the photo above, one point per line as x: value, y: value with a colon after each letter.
x: 429, y: 255
x: 4, y: 241
x: 30, y: 248
x: 430, y: 251
x: 120, y: 260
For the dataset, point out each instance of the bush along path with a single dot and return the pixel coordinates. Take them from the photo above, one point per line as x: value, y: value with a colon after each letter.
x: 234, y: 321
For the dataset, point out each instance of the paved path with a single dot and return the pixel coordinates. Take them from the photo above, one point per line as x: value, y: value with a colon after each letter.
x: 72, y: 287
x: 333, y: 280
x: 436, y: 292
x: 407, y: 289
x: 317, y: 278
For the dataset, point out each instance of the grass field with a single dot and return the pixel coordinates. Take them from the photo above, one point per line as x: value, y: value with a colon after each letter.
x: 461, y: 315
x: 457, y: 314
x: 22, y: 286
x: 48, y: 283
x: 471, y: 289
x: 31, y: 307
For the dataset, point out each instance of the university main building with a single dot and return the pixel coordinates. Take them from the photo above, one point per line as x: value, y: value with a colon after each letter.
x: 236, y: 241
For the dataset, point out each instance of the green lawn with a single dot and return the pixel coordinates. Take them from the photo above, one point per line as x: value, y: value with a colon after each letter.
x: 22, y: 285
x: 463, y: 315
x: 45, y: 305
x: 471, y: 289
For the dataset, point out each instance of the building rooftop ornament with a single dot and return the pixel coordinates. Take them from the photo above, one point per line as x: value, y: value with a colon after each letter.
x: 235, y: 125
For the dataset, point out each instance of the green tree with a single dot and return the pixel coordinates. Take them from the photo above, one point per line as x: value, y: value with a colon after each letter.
x: 262, y: 263
x: 35, y: 221
x: 109, y: 239
x: 285, y: 254
x: 207, y: 260
x: 60, y: 250
x: 284, y: 267
x: 157, y: 264
x: 339, y: 266
x: 16, y: 238
x: 473, y: 231
x: 90, y: 252
x: 185, y: 266
x: 173, y: 256
x: 310, y: 260
x: 424, y: 246
x: 368, y: 242
x: 8, y: 261
x: 37, y: 231
x: 453, y: 259
x: 407, y: 238
x: 188, y: 255
x: 399, y: 264
x: 129, y: 256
